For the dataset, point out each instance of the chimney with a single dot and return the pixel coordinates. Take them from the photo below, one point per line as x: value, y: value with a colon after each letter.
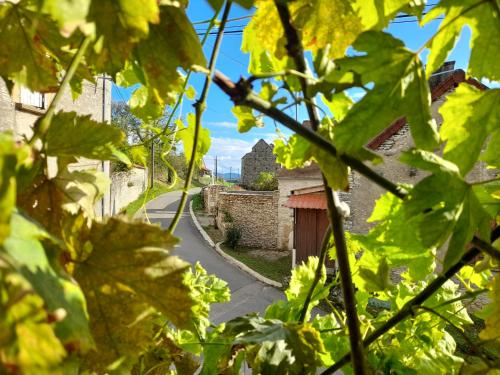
x: 441, y: 74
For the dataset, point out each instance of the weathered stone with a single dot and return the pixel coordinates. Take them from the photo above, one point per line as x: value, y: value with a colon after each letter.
x: 260, y: 159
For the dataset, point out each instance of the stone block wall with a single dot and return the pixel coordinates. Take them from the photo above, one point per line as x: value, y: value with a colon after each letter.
x: 260, y: 159
x: 211, y: 196
x: 254, y: 212
x: 126, y: 187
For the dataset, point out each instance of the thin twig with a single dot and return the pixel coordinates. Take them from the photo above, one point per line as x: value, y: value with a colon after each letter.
x: 43, y: 126
x: 199, y: 109
x: 486, y: 248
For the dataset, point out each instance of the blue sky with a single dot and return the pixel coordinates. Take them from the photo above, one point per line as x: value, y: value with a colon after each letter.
x: 227, y: 143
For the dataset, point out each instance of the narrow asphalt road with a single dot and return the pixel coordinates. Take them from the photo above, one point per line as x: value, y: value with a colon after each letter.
x: 247, y: 293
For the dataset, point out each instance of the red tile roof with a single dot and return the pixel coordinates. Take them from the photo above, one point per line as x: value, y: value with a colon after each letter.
x: 450, y: 82
x: 315, y: 201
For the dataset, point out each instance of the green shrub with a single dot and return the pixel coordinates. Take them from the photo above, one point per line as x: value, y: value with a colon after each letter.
x: 198, y: 204
x: 233, y: 236
x: 227, y: 217
x: 267, y: 181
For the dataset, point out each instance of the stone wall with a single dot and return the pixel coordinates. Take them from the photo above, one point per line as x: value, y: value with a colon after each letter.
x: 254, y: 212
x: 260, y: 159
x: 211, y: 196
x: 126, y: 187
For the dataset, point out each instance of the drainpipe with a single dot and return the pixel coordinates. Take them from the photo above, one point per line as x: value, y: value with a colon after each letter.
x: 103, y: 120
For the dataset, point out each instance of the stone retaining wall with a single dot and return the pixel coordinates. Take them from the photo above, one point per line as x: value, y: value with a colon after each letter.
x: 210, y: 195
x: 254, y: 212
x: 126, y: 187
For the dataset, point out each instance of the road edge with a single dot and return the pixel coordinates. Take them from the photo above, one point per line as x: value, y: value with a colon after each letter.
x: 228, y: 257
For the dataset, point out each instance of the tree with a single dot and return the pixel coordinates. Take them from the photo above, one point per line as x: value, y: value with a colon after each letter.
x: 266, y: 181
x: 107, y: 295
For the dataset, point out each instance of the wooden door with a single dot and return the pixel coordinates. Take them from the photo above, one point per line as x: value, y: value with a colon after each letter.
x: 310, y: 227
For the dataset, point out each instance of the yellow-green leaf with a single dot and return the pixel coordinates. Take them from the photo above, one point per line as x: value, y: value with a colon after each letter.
x: 186, y: 135
x: 126, y: 271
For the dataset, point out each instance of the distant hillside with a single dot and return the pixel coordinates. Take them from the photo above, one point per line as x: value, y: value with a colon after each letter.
x: 227, y: 176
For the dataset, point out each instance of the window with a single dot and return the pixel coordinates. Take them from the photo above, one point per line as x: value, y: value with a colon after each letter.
x: 35, y: 99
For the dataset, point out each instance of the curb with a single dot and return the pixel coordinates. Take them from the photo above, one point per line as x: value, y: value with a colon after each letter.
x: 199, y: 227
x: 229, y: 258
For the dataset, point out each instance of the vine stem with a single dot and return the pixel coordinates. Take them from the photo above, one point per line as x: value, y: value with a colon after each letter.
x: 296, y: 52
x: 43, y: 126
x: 199, y: 107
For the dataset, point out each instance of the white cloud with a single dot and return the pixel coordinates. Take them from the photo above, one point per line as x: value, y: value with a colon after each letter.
x: 223, y: 124
x: 229, y: 152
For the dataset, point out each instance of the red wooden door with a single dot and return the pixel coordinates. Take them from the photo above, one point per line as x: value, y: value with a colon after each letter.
x: 310, y: 227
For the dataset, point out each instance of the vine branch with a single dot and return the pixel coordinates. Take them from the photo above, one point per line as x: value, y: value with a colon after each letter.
x: 241, y: 94
x: 409, y: 307
x: 296, y: 52
x: 199, y: 107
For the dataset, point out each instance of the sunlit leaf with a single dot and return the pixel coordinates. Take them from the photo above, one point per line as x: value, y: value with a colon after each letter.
x: 400, y: 88
x: 482, y: 18
x: 125, y: 269
x: 27, y: 341
x: 469, y: 116
x: 60, y: 294
x: 186, y: 135
x: 80, y: 136
x: 246, y: 119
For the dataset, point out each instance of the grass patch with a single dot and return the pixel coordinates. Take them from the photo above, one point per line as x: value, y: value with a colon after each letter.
x: 213, y: 233
x: 197, y: 202
x: 158, y: 189
x: 273, y: 269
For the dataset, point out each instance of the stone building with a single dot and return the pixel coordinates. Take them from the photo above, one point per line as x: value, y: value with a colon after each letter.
x: 21, y: 108
x: 260, y: 159
x: 390, y: 144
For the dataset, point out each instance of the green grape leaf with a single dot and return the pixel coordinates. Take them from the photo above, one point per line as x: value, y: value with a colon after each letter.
x: 60, y: 294
x: 400, y: 88
x: 279, y: 347
x: 263, y: 39
x: 445, y: 204
x: 373, y: 279
x: 492, y: 153
x: 294, y: 153
x: 69, y: 14
x: 170, y: 45
x: 24, y: 57
x: 488, y: 195
x: 204, y: 290
x: 124, y: 269
x: 324, y: 23
x: 186, y: 136
x: 190, y: 93
x: 27, y: 343
x: 334, y: 170
x: 296, y: 293
x: 393, y: 238
x: 374, y: 16
x: 339, y: 105
x: 246, y: 119
x: 8, y: 162
x: 119, y: 25
x: 469, y: 116
x: 492, y: 329
x: 217, y: 4
x: 50, y: 200
x: 80, y: 136
x: 269, y: 91
x: 482, y: 18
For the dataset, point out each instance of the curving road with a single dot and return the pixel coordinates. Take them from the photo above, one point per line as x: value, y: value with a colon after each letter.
x: 247, y: 294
